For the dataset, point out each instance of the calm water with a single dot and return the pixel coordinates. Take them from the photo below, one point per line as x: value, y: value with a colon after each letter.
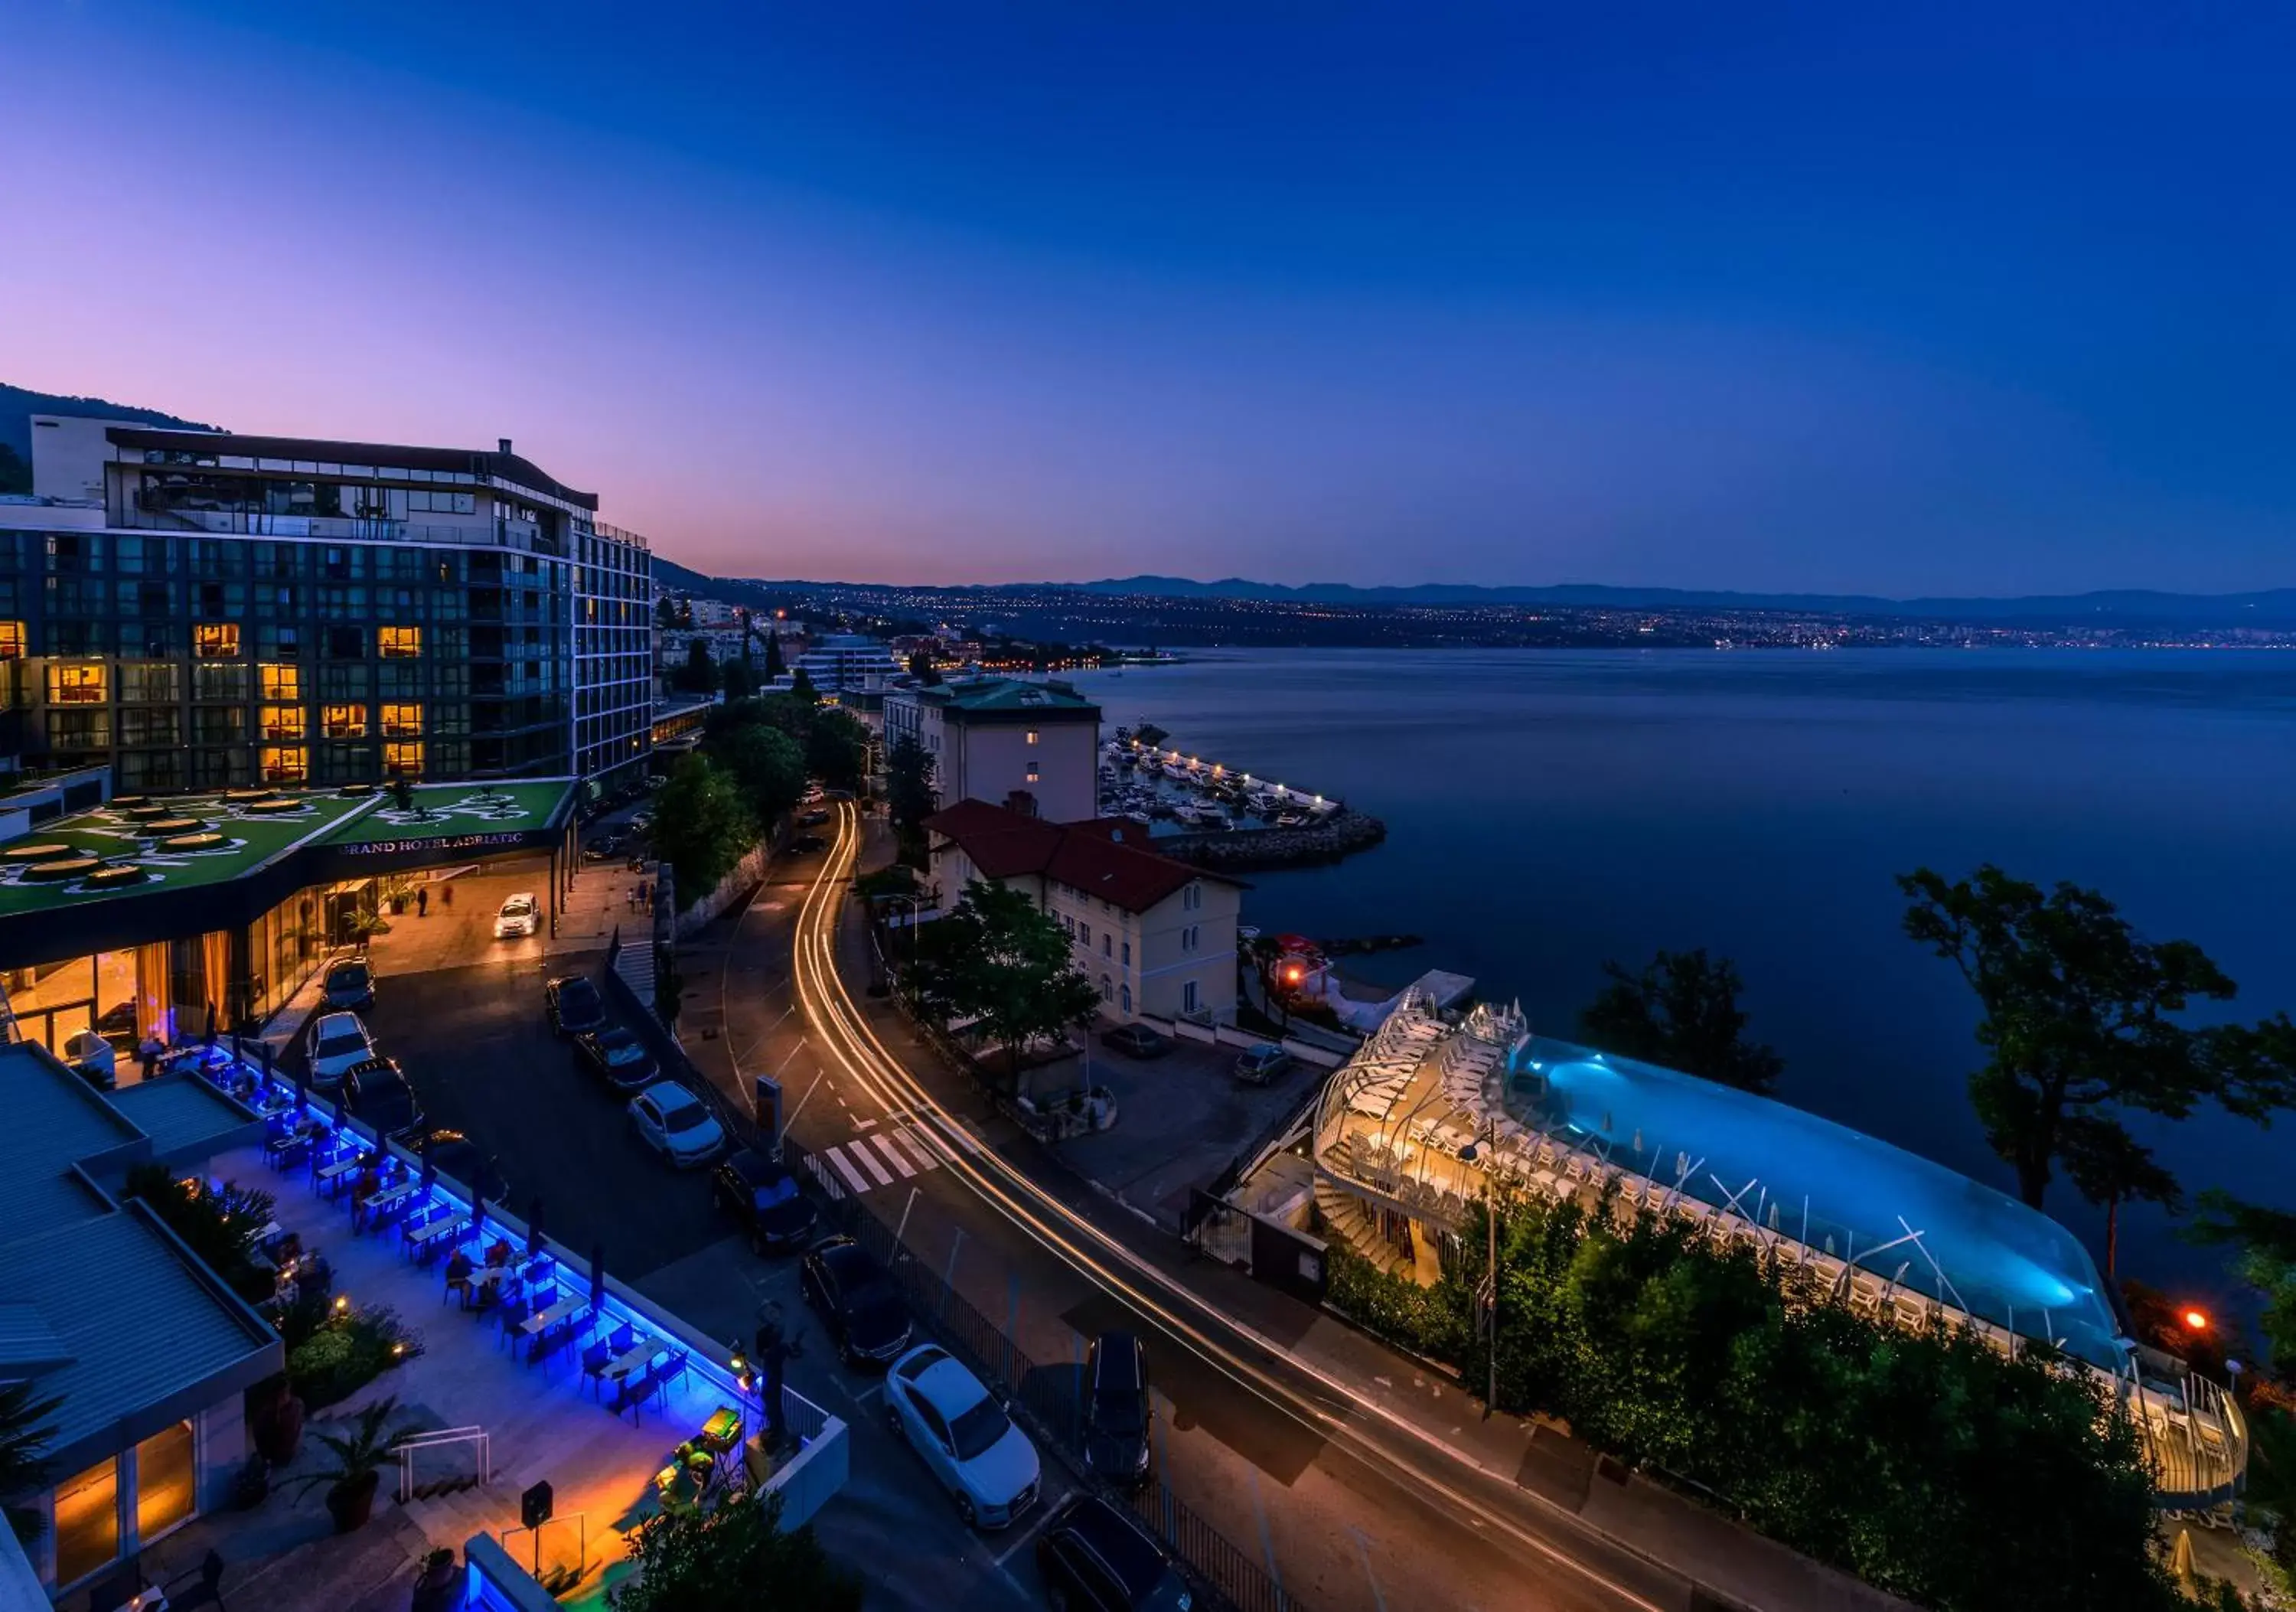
x: 1547, y: 811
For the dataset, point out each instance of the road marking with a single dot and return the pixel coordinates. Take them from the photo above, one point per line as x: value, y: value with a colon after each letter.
x: 1362, y: 1549
x: 867, y: 1158
x: 1045, y: 1509
x: 866, y: 1125
x: 852, y: 1176
x: 893, y: 1156
x: 921, y: 1151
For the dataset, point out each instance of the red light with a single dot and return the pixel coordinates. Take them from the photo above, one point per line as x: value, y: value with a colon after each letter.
x: 2196, y: 1320
x: 1291, y: 975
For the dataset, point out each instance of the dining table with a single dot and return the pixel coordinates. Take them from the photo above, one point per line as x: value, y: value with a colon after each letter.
x: 542, y: 1321
x: 634, y: 1358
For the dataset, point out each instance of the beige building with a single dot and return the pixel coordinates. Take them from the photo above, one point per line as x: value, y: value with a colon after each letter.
x: 1032, y: 746
x: 1154, y: 935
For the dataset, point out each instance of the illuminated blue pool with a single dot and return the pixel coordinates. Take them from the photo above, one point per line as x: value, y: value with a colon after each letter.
x: 2007, y: 1262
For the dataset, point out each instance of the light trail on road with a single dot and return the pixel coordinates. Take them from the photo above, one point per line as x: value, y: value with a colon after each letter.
x: 844, y: 1035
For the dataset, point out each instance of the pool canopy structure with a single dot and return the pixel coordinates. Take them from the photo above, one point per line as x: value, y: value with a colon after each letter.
x: 136, y: 870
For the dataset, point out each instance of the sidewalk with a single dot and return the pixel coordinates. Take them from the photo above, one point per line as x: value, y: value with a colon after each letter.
x: 1509, y: 1461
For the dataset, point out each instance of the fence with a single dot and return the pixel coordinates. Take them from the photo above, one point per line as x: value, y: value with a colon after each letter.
x: 1049, y: 1403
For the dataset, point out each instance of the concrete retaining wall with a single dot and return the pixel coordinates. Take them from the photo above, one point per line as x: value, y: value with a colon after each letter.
x: 1229, y: 1035
x: 747, y: 875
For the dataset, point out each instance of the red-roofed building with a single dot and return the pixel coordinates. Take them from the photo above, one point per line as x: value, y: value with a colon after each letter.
x: 1156, y: 935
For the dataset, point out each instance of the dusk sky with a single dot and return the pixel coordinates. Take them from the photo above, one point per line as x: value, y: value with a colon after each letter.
x: 1903, y: 300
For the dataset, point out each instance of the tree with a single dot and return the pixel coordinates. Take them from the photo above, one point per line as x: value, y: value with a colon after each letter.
x: 922, y: 668
x: 1682, y: 1011
x: 775, y: 667
x: 217, y: 1223
x: 2265, y: 1241
x: 740, y: 681
x: 2078, y: 1016
x: 698, y: 675
x: 24, y: 1438
x: 766, y: 765
x: 665, y: 612
x: 733, y: 1556
x: 997, y: 959
x: 801, y: 687
x: 837, y: 749
x: 702, y: 826
x: 911, y: 788
x: 15, y: 476
x: 2109, y: 1167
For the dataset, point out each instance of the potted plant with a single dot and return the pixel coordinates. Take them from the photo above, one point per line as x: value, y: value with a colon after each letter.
x: 434, y: 1591
x: 357, y: 1470
x: 275, y: 1419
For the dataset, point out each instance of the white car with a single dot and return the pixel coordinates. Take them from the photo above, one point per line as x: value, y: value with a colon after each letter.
x: 337, y: 1042
x: 675, y: 1123
x: 521, y: 914
x: 963, y: 1434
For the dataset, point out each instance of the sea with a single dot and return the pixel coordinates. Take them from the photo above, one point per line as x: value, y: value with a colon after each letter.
x: 1547, y: 810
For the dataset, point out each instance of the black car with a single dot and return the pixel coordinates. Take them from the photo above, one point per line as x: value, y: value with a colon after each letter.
x: 459, y: 1156
x: 1136, y: 1041
x: 804, y: 844
x: 603, y: 850
x: 763, y: 1199
x: 858, y: 1300
x: 576, y: 1008
x: 377, y: 1093
x: 1116, y: 1409
x: 813, y: 819
x: 1096, y: 1559
x: 349, y: 986
x: 619, y: 1057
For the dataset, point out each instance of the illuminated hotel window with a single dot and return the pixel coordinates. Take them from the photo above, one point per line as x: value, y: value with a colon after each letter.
x: 281, y: 682
x: 11, y: 640
x: 403, y: 759
x: 402, y: 721
x: 399, y: 643
x: 1032, y: 735
x: 344, y: 721
x: 282, y: 722
x: 284, y: 764
x: 76, y: 685
x: 216, y: 640
x: 167, y: 1490
x: 87, y: 1520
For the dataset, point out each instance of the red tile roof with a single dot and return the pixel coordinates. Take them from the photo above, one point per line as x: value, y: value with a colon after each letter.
x: 1093, y: 857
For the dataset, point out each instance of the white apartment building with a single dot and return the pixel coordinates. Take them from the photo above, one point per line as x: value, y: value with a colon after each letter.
x: 1154, y: 934
x: 1034, y: 747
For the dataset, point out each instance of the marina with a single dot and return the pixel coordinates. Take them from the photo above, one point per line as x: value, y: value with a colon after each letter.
x: 1220, y: 815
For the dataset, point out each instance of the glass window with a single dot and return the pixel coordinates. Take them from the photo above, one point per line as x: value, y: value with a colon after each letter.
x: 76, y: 685
x: 400, y: 642
x: 403, y: 759
x: 1032, y: 735
x: 87, y: 1521
x: 402, y: 721
x: 282, y: 722
x: 344, y: 721
x: 285, y: 764
x: 167, y: 1482
x: 281, y: 682
x: 11, y: 640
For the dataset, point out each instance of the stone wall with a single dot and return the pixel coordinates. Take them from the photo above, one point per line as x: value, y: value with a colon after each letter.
x: 1243, y: 849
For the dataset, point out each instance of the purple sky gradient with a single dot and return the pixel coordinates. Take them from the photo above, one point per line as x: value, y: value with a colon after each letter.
x: 801, y: 304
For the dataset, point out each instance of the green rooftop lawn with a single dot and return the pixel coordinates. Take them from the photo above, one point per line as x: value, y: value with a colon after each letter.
x: 252, y: 840
x: 448, y: 810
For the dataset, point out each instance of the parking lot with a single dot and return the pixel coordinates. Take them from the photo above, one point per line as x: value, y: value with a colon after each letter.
x: 1180, y: 1118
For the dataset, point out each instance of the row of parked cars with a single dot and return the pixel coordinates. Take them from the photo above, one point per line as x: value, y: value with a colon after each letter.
x: 343, y: 1059
x: 1260, y: 1065
x: 669, y: 1118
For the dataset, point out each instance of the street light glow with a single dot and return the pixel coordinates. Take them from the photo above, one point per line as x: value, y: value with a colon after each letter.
x: 2196, y: 1320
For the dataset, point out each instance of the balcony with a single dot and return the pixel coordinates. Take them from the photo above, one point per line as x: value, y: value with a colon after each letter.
x: 523, y: 535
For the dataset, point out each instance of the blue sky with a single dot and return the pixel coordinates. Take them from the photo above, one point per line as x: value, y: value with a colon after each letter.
x: 1971, y: 299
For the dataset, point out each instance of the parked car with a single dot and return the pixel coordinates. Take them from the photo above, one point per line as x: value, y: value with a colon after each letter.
x: 337, y: 1043
x: 1116, y: 1409
x: 1262, y: 1064
x: 350, y: 985
x: 966, y: 1439
x: 575, y: 1006
x: 521, y: 916
x: 617, y: 1057
x: 857, y: 1300
x: 1094, y: 1558
x: 676, y: 1125
x: 813, y: 819
x: 1136, y: 1041
x: 461, y: 1155
x: 763, y: 1199
x: 604, y: 849
x: 804, y: 844
x: 376, y: 1091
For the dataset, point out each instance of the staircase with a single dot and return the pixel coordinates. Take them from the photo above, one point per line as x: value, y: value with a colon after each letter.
x: 1346, y: 1220
x: 634, y: 963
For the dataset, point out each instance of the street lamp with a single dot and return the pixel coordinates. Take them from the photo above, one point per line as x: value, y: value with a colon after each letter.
x: 1468, y: 1155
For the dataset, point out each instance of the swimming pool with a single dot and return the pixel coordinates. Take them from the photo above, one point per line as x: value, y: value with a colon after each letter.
x: 2006, y: 1261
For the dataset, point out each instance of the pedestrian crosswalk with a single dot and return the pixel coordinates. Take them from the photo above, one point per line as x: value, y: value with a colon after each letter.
x: 865, y: 1162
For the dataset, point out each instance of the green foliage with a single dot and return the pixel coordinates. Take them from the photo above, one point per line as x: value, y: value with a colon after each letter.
x: 2079, y: 1021
x: 911, y: 787
x: 698, y: 675
x: 24, y: 1437
x: 669, y: 987
x: 801, y: 687
x: 362, y: 1452
x: 702, y: 826
x: 837, y: 749
x: 776, y: 666
x: 1928, y: 1465
x: 2265, y: 1241
x: 997, y: 959
x: 346, y: 1354
x: 2111, y: 1167
x: 766, y: 764
x: 218, y: 1224
x: 733, y: 1556
x: 1681, y: 1011
x: 741, y: 682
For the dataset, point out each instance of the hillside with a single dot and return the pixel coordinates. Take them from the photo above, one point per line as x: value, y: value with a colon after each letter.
x: 19, y: 404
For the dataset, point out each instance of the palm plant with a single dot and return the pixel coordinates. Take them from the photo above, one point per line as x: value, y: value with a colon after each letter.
x: 23, y: 1439
x: 356, y: 1469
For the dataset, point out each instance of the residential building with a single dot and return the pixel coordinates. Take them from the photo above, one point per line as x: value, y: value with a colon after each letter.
x: 848, y: 663
x: 103, y: 1310
x: 202, y: 610
x: 1034, y: 747
x: 1152, y: 934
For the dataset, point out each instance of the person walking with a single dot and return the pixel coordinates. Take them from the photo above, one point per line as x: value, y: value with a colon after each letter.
x: 447, y: 895
x: 422, y: 902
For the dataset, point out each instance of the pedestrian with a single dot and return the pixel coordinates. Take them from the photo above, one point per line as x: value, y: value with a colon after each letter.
x: 422, y: 902
x: 447, y: 895
x: 148, y: 1052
